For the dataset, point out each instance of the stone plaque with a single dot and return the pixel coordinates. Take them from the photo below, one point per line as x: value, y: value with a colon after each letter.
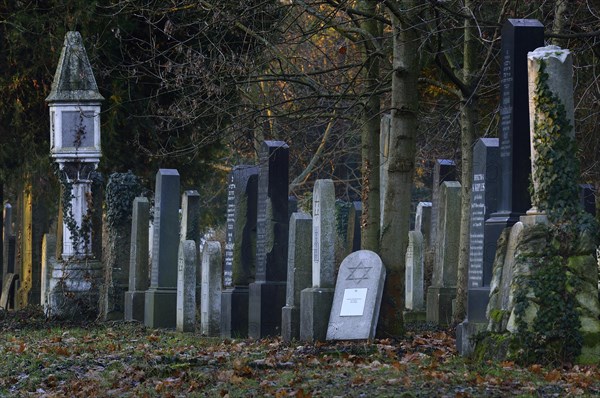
x: 353, y: 302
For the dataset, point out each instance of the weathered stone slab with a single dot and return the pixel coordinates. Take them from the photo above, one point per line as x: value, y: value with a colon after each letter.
x: 161, y: 297
x: 210, y: 308
x: 414, y: 297
x: 357, y: 298
x: 299, y: 275
x: 186, y: 286
x: 443, y: 170
x: 267, y: 293
x: 423, y: 222
x: 138, y: 261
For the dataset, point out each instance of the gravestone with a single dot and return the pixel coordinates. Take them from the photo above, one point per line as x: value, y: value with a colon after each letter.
x: 443, y: 285
x: 357, y: 298
x: 414, y: 297
x: 161, y: 298
x: 210, y: 308
x: 138, y: 261
x: 186, y: 286
x: 240, y: 250
x: 423, y: 222
x: 484, y: 199
x: 519, y: 36
x: 299, y: 274
x: 48, y: 258
x: 315, y: 302
x: 587, y: 198
x: 267, y: 293
x: 190, y: 230
x: 443, y: 170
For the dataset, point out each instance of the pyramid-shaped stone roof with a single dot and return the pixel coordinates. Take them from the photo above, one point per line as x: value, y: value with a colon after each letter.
x: 74, y: 79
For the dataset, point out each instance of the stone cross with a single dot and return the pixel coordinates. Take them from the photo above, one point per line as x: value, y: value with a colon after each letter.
x: 161, y: 297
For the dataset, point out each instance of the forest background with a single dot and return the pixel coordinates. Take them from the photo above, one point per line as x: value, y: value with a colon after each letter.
x: 197, y: 85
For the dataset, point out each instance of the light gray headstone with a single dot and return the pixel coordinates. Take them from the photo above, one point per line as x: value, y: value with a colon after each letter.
x: 448, y: 236
x: 138, y: 260
x: 414, y: 272
x: 186, y: 286
x: 423, y: 222
x: 212, y: 281
x: 324, y: 234
x: 357, y: 298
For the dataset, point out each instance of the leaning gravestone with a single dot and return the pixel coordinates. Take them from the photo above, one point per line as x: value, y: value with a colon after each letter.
x: 210, y: 309
x: 161, y: 297
x: 138, y: 261
x: 442, y: 291
x: 357, y: 298
x: 414, y: 297
x: 315, y: 302
x: 267, y: 293
x: 299, y: 274
x: 484, y: 194
x: 240, y: 250
x: 186, y: 286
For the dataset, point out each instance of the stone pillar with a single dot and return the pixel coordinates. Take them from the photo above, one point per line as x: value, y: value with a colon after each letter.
x: 423, y: 222
x: 240, y: 250
x: 316, y: 301
x: 190, y: 230
x: 186, y: 286
x: 267, y: 293
x: 138, y: 261
x: 210, y: 312
x: 443, y: 288
x: 443, y: 170
x: 299, y: 275
x: 161, y: 297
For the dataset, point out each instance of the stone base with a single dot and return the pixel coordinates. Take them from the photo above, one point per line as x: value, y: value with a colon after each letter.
x: 73, y: 288
x: 315, y: 308
x: 414, y: 316
x: 234, y: 312
x: 264, y: 310
x: 465, y: 333
x: 439, y: 304
x: 134, y: 305
x: 290, y: 323
x: 160, y: 308
x: 477, y: 302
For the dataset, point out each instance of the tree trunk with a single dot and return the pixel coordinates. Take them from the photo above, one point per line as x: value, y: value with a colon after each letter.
x: 370, y: 132
x: 405, y: 102
x: 468, y: 120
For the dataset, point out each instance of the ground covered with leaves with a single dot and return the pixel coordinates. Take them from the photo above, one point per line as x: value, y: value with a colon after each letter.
x: 42, y: 358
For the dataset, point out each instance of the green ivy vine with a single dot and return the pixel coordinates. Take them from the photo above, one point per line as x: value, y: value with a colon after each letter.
x: 121, y: 190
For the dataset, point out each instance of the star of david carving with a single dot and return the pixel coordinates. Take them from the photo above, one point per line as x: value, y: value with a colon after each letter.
x: 358, y: 273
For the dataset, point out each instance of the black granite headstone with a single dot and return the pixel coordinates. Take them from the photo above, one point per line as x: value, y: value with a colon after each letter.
x: 240, y: 248
x: 268, y: 292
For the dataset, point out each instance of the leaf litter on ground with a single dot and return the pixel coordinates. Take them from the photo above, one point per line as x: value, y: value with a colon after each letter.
x: 50, y: 358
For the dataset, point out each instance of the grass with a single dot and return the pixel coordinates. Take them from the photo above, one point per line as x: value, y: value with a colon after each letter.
x: 41, y: 358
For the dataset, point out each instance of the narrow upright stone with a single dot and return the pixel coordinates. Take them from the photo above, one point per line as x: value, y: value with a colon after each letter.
x: 414, y: 297
x: 240, y: 250
x: 186, y: 286
x: 316, y: 301
x: 161, y: 297
x: 210, y: 310
x: 299, y: 275
x: 138, y: 261
x: 443, y: 289
x: 423, y: 222
x: 443, y: 170
x: 267, y: 293
x: 48, y: 260
x: 190, y: 230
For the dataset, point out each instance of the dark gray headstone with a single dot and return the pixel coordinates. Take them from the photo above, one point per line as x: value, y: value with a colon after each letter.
x: 161, y: 297
x: 138, y: 261
x: 267, y: 293
x: 240, y: 250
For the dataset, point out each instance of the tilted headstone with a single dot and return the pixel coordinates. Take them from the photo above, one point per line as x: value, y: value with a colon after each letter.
x: 161, y: 297
x: 138, y: 261
x: 443, y: 170
x: 414, y: 297
x: 519, y: 36
x: 186, y: 286
x: 443, y: 289
x: 316, y: 301
x: 267, y: 293
x: 357, y: 298
x: 210, y: 307
x: 299, y: 274
x: 423, y: 222
x: 240, y: 250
